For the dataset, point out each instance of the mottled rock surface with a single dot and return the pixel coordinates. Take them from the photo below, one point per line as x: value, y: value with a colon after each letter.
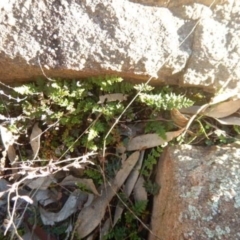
x: 200, y: 194
x: 182, y: 42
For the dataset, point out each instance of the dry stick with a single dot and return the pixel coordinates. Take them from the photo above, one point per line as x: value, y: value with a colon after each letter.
x: 9, y: 96
x: 11, y: 222
x: 20, y: 219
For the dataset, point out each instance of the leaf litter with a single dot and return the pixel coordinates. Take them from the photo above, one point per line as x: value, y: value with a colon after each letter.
x: 60, y: 199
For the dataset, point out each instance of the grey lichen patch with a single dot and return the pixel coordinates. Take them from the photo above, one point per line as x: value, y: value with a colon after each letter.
x: 217, y: 233
x: 194, y: 213
x: 193, y: 193
x: 209, y: 187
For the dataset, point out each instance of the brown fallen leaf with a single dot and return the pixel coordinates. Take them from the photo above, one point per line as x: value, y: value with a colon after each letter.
x: 222, y: 110
x: 178, y: 118
x: 219, y: 110
x: 91, y: 216
x: 35, y: 139
x: 229, y: 120
x: 151, y: 140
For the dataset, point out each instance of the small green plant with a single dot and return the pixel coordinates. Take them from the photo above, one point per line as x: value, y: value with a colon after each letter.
x: 95, y: 175
x: 75, y: 122
x: 127, y: 227
x: 151, y: 161
x: 75, y: 106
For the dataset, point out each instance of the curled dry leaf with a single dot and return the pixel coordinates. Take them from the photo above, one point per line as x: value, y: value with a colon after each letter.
x: 45, y: 197
x: 71, y: 206
x: 112, y: 97
x: 178, y: 118
x: 222, y: 110
x: 35, y: 139
x: 151, y: 140
x: 91, y: 216
x: 89, y: 201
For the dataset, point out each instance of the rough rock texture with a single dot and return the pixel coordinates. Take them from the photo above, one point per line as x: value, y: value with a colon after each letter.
x: 200, y: 194
x: 183, y: 42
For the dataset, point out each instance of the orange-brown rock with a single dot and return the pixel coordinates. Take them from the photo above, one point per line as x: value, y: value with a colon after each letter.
x: 200, y: 194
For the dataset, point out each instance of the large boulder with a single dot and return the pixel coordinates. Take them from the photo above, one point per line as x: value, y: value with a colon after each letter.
x: 177, y: 42
x: 200, y: 194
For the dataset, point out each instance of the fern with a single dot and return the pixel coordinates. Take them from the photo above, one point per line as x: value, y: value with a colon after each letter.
x: 155, y: 127
x: 143, y: 87
x: 165, y: 101
x: 111, y: 84
x: 151, y: 187
x: 95, y: 175
x: 151, y: 161
x: 139, y: 207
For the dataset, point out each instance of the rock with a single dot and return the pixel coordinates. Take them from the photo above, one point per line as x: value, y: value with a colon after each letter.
x: 200, y: 194
x: 176, y: 42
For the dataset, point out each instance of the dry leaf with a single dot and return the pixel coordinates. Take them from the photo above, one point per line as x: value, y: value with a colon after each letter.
x: 71, y: 206
x: 223, y: 96
x: 88, y: 183
x: 40, y: 182
x: 222, y: 110
x: 112, y: 97
x: 29, y: 236
x: 8, y: 141
x: 105, y: 229
x: 190, y: 110
x: 229, y: 121
x: 45, y: 197
x: 178, y: 118
x: 91, y: 216
x: 139, y: 191
x: 129, y: 185
x: 89, y: 201
x: 151, y: 140
x: 35, y: 139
